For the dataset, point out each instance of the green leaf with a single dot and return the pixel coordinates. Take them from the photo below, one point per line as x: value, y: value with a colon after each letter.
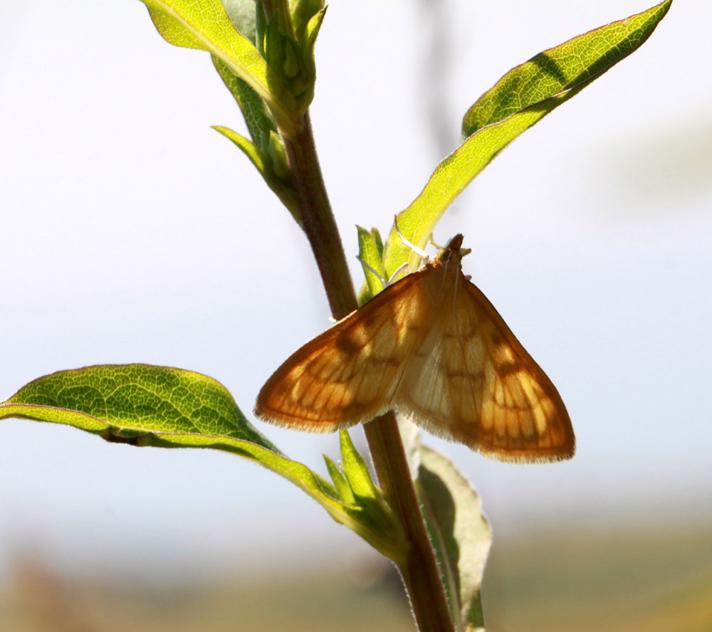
x: 307, y: 17
x: 244, y: 145
x: 410, y: 437
x: 262, y: 151
x: 340, y: 482
x: 524, y: 96
x: 303, y: 13
x: 204, y: 25
x: 126, y: 401
x: 258, y: 121
x: 369, y: 506
x: 355, y: 469
x: 313, y: 28
x: 290, y: 33
x: 460, y: 534
x: 242, y: 14
x: 283, y: 191
x: 378, y: 242
x: 563, y: 69
x: 370, y: 254
x: 146, y: 405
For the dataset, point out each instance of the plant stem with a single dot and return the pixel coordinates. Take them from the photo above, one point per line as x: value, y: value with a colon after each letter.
x: 420, y: 571
x: 318, y: 220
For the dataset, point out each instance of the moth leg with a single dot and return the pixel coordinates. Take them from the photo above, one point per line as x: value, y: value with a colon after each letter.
x: 395, y: 274
x: 384, y: 282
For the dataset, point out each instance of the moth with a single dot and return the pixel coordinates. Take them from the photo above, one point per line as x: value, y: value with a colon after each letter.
x: 432, y: 347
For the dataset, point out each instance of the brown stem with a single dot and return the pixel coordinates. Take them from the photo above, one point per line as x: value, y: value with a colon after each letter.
x: 318, y: 221
x: 420, y: 571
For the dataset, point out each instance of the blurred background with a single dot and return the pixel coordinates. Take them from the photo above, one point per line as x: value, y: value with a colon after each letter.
x: 133, y: 232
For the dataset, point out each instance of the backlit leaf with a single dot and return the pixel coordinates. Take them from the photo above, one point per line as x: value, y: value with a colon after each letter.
x: 370, y: 254
x: 520, y: 99
x: 204, y: 25
x: 459, y: 532
x: 146, y: 405
x: 280, y: 188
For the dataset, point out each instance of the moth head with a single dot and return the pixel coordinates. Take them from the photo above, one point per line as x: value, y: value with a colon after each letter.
x: 453, y: 252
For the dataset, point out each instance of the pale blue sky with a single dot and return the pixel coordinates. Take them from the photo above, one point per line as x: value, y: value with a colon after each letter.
x: 133, y: 232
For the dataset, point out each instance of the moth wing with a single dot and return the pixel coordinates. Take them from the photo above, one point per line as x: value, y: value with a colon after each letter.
x: 350, y: 372
x: 472, y: 381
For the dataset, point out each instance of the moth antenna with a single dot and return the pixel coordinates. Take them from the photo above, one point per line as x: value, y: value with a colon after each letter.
x: 385, y: 283
x: 435, y: 243
x: 396, y: 272
x: 419, y: 251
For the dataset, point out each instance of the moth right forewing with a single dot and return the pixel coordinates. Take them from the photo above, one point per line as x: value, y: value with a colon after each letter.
x: 349, y: 373
x: 472, y: 381
x: 522, y: 415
